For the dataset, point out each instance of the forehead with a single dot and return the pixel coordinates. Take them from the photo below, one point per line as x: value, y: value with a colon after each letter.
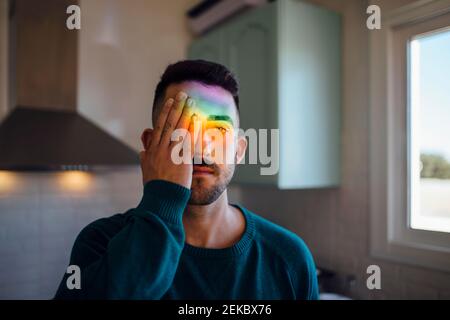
x: 209, y: 100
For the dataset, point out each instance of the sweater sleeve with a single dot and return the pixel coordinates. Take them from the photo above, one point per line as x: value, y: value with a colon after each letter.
x: 138, y: 262
x: 304, y: 273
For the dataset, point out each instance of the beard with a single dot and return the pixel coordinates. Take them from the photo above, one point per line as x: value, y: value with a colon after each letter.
x: 202, y: 193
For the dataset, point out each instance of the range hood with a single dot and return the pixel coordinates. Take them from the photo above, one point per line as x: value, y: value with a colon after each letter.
x: 35, y: 139
x: 44, y: 130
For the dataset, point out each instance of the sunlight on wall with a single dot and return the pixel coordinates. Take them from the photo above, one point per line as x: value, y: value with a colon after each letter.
x: 8, y: 181
x: 75, y: 180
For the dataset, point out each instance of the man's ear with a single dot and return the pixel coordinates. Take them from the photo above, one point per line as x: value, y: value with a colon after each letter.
x: 146, y: 138
x: 241, y: 148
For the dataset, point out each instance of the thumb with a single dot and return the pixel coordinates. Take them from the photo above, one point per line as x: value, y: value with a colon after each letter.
x: 141, y: 156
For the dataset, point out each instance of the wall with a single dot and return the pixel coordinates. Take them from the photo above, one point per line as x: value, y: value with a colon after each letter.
x: 45, y: 54
x: 3, y: 57
x: 335, y: 222
x: 40, y: 217
x: 124, y: 47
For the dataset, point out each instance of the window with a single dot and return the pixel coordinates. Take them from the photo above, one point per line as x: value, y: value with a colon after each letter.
x: 410, y: 135
x: 429, y: 134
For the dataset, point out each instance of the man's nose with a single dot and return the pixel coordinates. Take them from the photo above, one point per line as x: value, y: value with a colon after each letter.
x: 198, y: 139
x: 202, y: 146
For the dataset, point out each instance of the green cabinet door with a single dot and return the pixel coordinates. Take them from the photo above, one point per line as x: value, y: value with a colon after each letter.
x: 208, y: 47
x: 250, y: 44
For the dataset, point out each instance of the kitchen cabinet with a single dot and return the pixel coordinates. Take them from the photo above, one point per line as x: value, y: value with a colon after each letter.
x: 209, y: 47
x: 287, y: 58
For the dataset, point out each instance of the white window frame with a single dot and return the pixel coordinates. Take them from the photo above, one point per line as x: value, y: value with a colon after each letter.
x: 426, y: 223
x: 389, y: 142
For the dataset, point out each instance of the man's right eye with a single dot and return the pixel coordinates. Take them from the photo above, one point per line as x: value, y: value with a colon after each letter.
x: 222, y: 129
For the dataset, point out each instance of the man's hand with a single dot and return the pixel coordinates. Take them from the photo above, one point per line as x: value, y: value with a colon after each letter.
x: 156, y: 162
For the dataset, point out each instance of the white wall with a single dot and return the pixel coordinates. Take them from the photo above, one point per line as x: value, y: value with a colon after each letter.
x: 41, y: 215
x: 124, y: 46
x: 3, y: 58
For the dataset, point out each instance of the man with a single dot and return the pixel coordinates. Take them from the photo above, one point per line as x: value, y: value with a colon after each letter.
x: 184, y: 240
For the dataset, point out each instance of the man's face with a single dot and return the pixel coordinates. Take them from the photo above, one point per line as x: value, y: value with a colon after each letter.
x: 217, y: 115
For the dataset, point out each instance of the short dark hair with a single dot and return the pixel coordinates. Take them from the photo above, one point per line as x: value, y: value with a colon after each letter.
x: 207, y: 72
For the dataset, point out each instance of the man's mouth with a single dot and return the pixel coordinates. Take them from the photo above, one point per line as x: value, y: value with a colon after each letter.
x: 199, y: 169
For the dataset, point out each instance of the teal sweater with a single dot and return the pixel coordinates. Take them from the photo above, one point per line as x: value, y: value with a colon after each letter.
x: 141, y: 254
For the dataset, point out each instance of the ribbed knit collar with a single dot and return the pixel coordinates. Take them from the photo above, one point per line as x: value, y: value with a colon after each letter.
x: 235, y: 250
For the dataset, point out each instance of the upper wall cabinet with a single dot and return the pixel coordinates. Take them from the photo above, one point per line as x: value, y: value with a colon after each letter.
x: 209, y: 47
x: 287, y: 58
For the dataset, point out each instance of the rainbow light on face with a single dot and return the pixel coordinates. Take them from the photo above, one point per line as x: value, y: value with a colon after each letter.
x: 210, y: 100
x: 212, y: 115
x: 213, y: 124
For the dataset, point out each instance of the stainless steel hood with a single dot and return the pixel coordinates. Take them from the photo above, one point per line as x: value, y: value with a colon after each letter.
x: 35, y: 139
x: 43, y: 130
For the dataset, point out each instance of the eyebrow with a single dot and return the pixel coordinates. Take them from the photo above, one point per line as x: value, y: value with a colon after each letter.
x: 220, y: 118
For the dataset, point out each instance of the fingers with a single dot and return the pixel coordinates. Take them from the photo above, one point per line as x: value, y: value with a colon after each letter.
x: 189, y: 138
x: 159, y: 125
x: 196, y: 139
x: 146, y: 138
x: 173, y: 118
x: 185, y: 118
x: 142, y: 156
